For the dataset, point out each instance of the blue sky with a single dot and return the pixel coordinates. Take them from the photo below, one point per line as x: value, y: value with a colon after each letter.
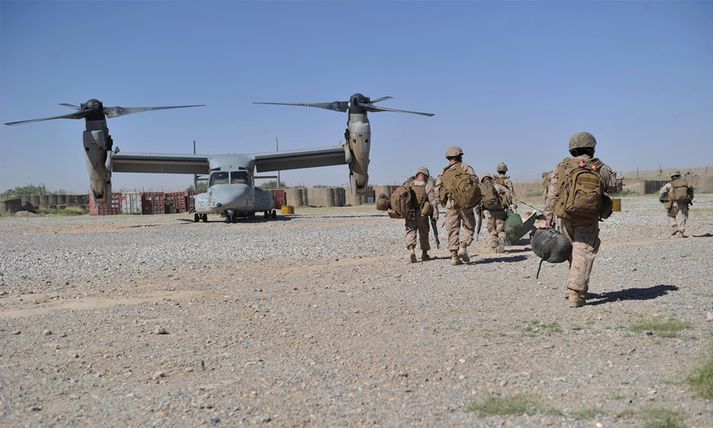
x: 508, y: 81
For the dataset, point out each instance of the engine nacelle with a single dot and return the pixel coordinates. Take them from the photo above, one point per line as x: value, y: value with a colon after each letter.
x: 358, y: 137
x: 97, y: 145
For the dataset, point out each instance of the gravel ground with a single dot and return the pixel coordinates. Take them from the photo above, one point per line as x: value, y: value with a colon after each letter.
x: 318, y: 319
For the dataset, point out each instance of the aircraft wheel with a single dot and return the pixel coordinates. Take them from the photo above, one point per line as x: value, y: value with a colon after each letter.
x: 265, y: 214
x: 273, y: 214
x: 205, y: 218
x: 196, y: 218
x: 228, y: 218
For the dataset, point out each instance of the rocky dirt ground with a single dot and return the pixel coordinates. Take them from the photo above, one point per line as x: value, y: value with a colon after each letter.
x: 318, y: 319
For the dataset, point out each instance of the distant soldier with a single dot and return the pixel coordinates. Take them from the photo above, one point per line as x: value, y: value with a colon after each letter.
x: 677, y: 195
x: 494, y: 202
x: 577, y: 195
x: 426, y: 206
x: 455, y: 215
x: 504, y: 180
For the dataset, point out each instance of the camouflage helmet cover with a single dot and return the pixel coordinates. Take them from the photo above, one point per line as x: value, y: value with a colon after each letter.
x: 582, y: 140
x: 486, y: 176
x: 502, y: 167
x: 676, y: 174
x: 453, y: 151
x: 423, y: 170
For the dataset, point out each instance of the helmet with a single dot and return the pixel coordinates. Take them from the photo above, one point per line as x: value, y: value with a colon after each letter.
x: 502, y: 167
x: 676, y: 174
x: 423, y: 170
x: 582, y: 140
x: 484, y: 176
x: 453, y: 151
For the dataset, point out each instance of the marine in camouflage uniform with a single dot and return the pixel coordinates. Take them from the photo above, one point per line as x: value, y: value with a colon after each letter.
x: 504, y: 180
x: 546, y: 178
x: 456, y: 218
x: 673, y: 208
x: 426, y: 206
x: 584, y: 236
x: 495, y: 218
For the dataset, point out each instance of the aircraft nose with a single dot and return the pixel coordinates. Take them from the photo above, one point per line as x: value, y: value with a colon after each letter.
x: 230, y: 195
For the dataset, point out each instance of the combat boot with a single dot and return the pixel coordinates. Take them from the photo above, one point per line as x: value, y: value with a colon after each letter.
x: 424, y: 256
x: 577, y: 298
x: 463, y: 252
x: 455, y: 260
x: 412, y: 254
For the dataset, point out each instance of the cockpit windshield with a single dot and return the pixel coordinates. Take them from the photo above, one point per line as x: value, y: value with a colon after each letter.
x: 239, y: 177
x: 219, y: 177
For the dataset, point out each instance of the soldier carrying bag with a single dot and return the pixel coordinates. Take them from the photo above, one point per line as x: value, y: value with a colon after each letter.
x: 461, y: 187
x: 681, y: 191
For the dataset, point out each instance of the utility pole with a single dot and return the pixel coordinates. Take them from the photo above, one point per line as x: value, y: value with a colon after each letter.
x: 195, y: 176
x: 277, y: 148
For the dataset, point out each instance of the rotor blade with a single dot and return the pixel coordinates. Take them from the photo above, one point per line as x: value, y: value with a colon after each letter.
x: 334, y: 105
x: 76, y: 115
x: 382, y: 99
x: 70, y: 106
x: 121, y: 111
x: 373, y: 108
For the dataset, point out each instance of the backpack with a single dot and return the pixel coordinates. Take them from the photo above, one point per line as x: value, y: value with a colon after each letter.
x: 681, y: 191
x: 581, y: 191
x: 403, y: 201
x: 383, y: 203
x: 461, y: 187
x: 490, y: 197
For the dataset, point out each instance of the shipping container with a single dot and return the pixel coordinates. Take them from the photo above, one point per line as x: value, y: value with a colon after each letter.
x: 153, y: 203
x: 190, y: 202
x: 112, y: 207
x: 131, y: 203
x: 175, y: 202
x: 280, y: 197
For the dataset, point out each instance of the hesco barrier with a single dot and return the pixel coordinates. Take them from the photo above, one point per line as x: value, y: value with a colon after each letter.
x: 321, y: 196
x: 294, y: 197
x: 340, y: 196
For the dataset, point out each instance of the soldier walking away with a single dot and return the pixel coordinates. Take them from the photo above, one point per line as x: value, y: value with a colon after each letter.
x: 426, y: 206
x: 677, y: 195
x: 496, y: 199
x: 456, y: 216
x: 504, y: 180
x: 546, y: 177
x: 577, y: 195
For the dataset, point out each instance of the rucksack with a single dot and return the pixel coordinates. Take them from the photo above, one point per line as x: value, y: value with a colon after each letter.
x: 512, y: 227
x: 550, y: 246
x: 581, y: 191
x: 383, y: 203
x: 403, y: 201
x: 681, y: 191
x: 461, y: 187
x: 490, y: 199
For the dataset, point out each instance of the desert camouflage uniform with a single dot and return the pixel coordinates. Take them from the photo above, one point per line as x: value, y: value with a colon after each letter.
x: 455, y: 218
x: 504, y: 180
x: 495, y: 220
x: 673, y: 209
x: 584, y: 237
x: 546, y: 178
x: 421, y: 223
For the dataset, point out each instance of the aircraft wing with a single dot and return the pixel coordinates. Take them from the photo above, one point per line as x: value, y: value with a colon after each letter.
x: 280, y: 161
x: 160, y: 163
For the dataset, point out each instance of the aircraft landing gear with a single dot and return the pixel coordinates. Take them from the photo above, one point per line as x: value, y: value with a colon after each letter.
x: 273, y: 214
x: 231, y: 217
x: 204, y: 217
x: 266, y: 214
x: 196, y: 218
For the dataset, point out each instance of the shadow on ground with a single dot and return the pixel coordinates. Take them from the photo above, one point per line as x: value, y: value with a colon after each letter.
x: 504, y: 259
x: 630, y: 294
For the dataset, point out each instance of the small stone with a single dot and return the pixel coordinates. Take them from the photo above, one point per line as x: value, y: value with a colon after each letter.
x: 16, y: 332
x: 709, y: 316
x: 158, y: 375
x: 47, y: 332
x: 160, y: 330
x: 265, y: 419
x: 214, y: 420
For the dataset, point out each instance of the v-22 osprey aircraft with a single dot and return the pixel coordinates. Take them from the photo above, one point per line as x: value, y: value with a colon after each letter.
x: 231, y: 187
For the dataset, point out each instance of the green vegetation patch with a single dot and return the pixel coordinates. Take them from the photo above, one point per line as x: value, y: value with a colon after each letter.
x: 662, y: 418
x: 534, y: 328
x: 661, y: 327
x: 503, y: 406
x: 586, y: 414
x: 701, y: 379
x: 70, y: 211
